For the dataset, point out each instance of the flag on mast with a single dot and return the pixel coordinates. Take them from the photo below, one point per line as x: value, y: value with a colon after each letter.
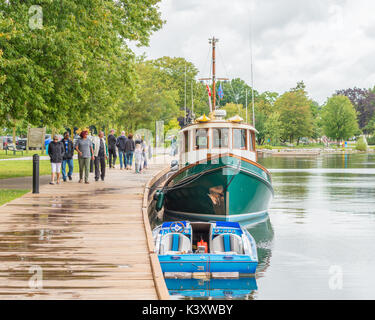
x: 209, y: 95
x: 220, y: 92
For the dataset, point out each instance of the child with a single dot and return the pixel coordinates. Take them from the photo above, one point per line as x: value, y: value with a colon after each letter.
x: 138, y: 157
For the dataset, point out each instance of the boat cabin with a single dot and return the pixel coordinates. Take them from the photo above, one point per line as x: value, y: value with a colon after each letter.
x: 202, y: 140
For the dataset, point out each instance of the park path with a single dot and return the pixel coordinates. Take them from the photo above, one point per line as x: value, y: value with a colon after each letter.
x: 78, y: 241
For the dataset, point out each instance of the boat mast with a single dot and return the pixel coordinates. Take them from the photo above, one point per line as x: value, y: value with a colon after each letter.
x: 213, y: 43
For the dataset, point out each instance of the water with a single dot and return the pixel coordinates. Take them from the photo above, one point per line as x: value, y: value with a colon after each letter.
x: 319, y: 240
x: 323, y: 221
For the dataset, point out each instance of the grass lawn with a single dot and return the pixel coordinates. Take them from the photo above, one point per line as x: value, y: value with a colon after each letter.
x: 7, y: 195
x: 24, y: 168
x: 10, y: 154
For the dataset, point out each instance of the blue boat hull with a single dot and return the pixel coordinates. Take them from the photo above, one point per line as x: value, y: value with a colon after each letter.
x: 207, y: 263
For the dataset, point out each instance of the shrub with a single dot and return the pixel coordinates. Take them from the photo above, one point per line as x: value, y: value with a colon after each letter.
x: 371, y: 141
x: 361, y: 145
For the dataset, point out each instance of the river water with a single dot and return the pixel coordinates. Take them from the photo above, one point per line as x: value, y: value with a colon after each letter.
x: 319, y: 239
x: 319, y: 242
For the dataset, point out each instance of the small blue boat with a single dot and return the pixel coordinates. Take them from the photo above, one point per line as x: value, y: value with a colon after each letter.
x: 212, y: 248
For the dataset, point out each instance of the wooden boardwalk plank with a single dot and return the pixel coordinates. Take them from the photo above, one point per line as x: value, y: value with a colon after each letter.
x: 82, y: 241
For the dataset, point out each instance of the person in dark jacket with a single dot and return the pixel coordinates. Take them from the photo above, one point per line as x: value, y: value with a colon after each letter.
x: 129, y: 150
x: 121, y: 142
x: 56, y: 153
x: 68, y: 156
x: 112, y: 149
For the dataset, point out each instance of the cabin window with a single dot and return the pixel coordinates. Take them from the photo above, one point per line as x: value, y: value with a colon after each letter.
x: 186, y: 141
x: 201, y: 139
x: 240, y: 139
x: 220, y: 137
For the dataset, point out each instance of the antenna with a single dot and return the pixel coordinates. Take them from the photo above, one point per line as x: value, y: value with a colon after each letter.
x: 192, y: 100
x: 246, y: 105
x: 185, y: 96
x: 251, y: 63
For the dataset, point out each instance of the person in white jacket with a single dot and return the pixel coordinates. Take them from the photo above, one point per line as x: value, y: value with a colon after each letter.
x: 101, y: 155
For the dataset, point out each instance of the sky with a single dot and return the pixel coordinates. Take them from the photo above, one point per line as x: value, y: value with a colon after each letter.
x: 329, y: 44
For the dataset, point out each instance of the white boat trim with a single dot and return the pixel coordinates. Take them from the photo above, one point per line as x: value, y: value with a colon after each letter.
x: 242, y: 215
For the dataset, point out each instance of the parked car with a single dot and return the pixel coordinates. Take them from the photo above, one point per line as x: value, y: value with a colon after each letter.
x: 21, y: 144
x: 7, y: 141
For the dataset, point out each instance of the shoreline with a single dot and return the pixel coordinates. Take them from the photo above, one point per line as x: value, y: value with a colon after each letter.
x: 309, y: 152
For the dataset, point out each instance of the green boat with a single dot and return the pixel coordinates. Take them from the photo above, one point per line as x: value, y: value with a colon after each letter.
x: 217, y: 176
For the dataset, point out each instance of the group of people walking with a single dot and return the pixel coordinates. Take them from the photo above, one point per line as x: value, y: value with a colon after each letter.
x: 128, y: 148
x: 95, y: 151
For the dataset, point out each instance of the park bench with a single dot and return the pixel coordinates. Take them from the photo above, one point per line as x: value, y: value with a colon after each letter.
x: 13, y: 149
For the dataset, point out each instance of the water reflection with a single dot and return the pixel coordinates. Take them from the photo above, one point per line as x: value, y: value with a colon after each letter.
x: 323, y: 215
x: 242, y: 288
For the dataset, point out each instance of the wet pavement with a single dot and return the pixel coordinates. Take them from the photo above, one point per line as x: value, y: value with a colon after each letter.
x: 77, y: 241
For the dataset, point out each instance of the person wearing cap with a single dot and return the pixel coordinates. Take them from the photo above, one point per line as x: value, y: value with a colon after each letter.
x: 85, y: 153
x: 56, y: 153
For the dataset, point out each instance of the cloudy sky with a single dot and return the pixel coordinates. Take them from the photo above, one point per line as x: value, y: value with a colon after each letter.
x: 329, y: 44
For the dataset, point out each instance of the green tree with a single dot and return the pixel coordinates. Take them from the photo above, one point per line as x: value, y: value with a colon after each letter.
x: 295, y: 112
x: 77, y: 68
x: 233, y: 109
x: 235, y: 92
x: 339, y: 118
x: 155, y: 99
x: 272, y: 128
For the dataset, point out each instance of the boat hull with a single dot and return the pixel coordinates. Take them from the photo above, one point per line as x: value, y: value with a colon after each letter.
x: 226, y: 188
x: 207, y: 263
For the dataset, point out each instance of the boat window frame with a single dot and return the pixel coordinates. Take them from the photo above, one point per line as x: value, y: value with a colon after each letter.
x: 213, y: 139
x: 195, y: 139
x: 186, y: 141
x: 233, y: 145
x: 251, y: 140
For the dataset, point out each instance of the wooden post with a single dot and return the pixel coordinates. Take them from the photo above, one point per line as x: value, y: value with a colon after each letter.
x: 14, y: 135
x: 28, y: 135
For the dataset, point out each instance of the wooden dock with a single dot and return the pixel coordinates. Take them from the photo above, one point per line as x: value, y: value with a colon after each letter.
x: 78, y: 241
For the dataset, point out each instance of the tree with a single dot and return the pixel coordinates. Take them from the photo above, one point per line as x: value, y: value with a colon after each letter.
x: 296, y: 117
x: 235, y: 92
x: 260, y: 121
x: 74, y: 67
x: 233, y: 109
x: 155, y: 99
x: 339, y: 118
x: 364, y: 102
x: 272, y: 128
x: 370, y: 128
